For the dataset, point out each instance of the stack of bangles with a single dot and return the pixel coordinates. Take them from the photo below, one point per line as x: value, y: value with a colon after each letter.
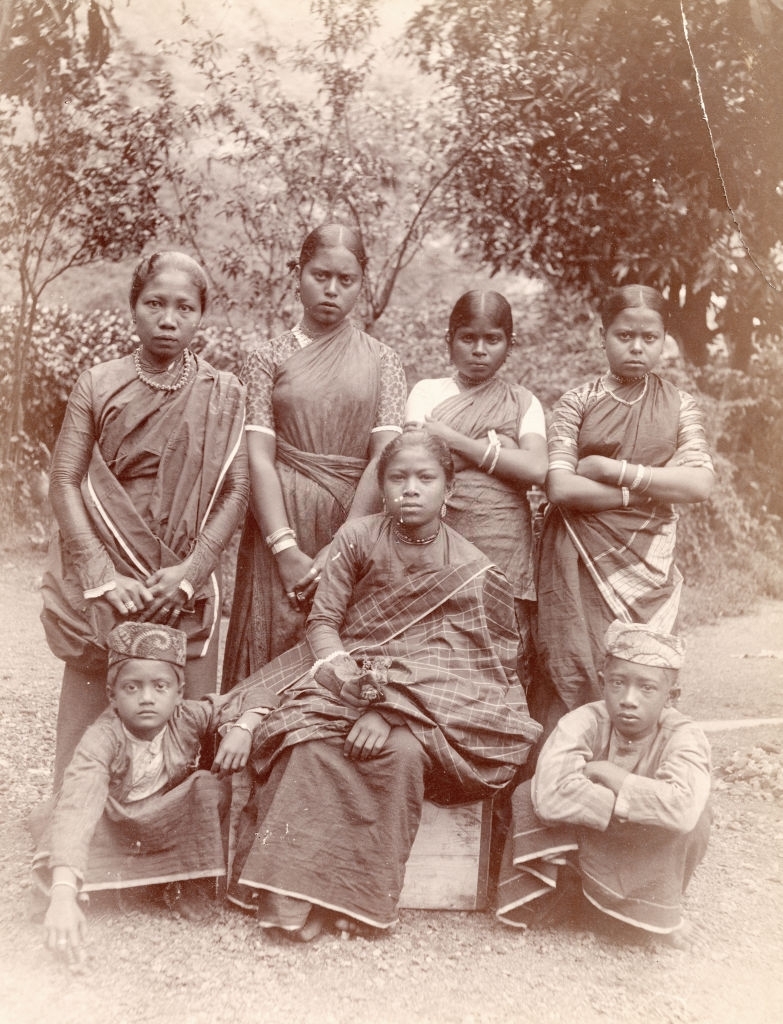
x: 281, y: 540
x: 638, y: 484
x: 492, y: 453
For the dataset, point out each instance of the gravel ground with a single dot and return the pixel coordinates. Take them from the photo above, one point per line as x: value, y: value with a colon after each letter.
x: 435, y: 968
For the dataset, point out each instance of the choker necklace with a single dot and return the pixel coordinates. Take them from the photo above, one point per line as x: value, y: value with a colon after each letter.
x: 304, y: 338
x: 404, y: 539
x: 466, y: 382
x: 180, y: 382
x: 625, y: 380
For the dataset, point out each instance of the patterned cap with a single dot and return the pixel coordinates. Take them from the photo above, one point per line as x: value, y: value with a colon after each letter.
x: 634, y: 641
x: 147, y: 640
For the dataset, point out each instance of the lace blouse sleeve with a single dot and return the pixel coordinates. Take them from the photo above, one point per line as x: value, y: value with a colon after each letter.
x: 391, y: 404
x: 258, y: 376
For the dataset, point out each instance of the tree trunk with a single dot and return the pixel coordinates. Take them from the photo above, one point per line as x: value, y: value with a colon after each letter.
x: 689, y: 327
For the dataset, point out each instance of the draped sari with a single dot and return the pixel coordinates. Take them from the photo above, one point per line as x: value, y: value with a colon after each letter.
x: 618, y: 564
x: 158, y: 463
x: 448, y: 638
x: 324, y: 400
x: 492, y: 513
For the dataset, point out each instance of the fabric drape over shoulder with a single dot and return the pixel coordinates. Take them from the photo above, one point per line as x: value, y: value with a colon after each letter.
x: 618, y: 564
x: 158, y: 463
x: 321, y: 402
x: 450, y: 638
x: 491, y: 512
x: 335, y: 831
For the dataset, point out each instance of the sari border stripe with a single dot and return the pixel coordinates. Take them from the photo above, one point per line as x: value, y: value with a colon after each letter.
x: 114, y: 529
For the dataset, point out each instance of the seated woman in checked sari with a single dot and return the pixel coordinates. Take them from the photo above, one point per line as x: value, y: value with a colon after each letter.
x: 405, y: 687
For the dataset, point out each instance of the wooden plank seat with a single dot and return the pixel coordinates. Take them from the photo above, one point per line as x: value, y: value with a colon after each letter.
x: 448, y: 868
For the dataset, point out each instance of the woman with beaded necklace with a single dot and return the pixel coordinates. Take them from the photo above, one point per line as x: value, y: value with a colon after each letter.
x: 623, y: 450
x: 149, y: 481
x: 323, y: 399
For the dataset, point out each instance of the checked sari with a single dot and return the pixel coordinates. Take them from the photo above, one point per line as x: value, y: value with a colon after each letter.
x: 448, y: 634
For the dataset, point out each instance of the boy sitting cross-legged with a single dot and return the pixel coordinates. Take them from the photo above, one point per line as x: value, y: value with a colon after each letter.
x: 620, y: 795
x: 133, y: 810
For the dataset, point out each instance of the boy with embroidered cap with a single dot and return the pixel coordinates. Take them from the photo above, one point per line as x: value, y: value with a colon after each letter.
x: 620, y: 795
x: 133, y: 810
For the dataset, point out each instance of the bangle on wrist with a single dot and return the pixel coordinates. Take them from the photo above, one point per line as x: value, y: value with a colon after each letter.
x: 638, y: 477
x: 283, y: 545
x: 486, y: 454
x: 241, y: 725
x: 284, y: 531
x: 648, y: 481
x: 64, y: 883
x: 495, y: 457
x: 623, y: 467
x: 325, y: 661
x: 626, y: 496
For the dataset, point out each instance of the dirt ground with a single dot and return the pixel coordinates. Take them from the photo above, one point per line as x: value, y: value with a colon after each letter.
x: 435, y: 968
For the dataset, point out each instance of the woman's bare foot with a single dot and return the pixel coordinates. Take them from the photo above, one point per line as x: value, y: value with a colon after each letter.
x: 348, y: 928
x: 311, y: 929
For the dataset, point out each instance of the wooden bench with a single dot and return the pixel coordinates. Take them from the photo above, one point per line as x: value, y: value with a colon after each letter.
x: 448, y: 868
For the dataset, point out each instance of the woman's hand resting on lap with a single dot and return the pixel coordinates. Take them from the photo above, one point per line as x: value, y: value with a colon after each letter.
x: 368, y: 737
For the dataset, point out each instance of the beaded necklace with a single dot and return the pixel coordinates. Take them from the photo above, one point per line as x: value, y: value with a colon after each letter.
x: 625, y: 401
x: 466, y: 382
x: 180, y: 382
x: 404, y: 539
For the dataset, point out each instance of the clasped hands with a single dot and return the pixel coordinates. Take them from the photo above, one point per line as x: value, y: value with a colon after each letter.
x: 160, y: 598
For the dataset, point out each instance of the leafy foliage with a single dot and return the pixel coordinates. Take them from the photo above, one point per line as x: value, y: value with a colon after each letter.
x: 79, y: 169
x: 593, y: 163
x: 280, y: 164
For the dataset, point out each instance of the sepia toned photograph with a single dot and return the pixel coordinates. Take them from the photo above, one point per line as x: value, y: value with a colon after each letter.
x: 391, y: 447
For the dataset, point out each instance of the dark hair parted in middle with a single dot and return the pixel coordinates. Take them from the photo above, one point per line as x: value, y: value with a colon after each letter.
x: 632, y: 296
x: 328, y: 236
x: 149, y: 266
x: 415, y: 437
x: 492, y: 305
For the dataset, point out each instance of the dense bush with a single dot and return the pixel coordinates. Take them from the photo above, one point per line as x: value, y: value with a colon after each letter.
x: 729, y: 547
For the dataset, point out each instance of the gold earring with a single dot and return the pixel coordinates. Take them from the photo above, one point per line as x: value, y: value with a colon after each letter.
x: 443, y: 510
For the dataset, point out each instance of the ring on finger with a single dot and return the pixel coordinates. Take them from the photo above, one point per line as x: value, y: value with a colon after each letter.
x: 130, y: 606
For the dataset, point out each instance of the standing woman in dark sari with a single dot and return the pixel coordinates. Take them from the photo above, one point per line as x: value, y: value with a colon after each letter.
x: 622, y: 450
x: 149, y: 481
x: 323, y: 400
x: 497, y: 435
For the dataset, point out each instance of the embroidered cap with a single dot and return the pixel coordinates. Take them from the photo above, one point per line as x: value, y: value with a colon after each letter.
x: 147, y: 640
x: 634, y: 641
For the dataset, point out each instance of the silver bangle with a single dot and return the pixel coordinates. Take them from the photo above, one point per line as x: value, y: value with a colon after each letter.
x: 241, y: 725
x: 626, y: 496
